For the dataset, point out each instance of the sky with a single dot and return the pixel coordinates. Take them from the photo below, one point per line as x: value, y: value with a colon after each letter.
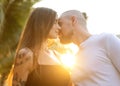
x: 103, y: 15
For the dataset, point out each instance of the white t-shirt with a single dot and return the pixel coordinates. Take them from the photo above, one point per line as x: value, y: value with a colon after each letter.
x: 98, y: 62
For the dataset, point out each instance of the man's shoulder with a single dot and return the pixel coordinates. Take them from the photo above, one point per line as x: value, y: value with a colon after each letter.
x: 102, y: 37
x: 105, y: 35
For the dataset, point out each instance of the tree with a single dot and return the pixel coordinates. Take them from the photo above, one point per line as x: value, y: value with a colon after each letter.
x: 13, y: 14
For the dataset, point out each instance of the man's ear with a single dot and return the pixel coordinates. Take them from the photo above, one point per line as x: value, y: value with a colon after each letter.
x: 74, y: 20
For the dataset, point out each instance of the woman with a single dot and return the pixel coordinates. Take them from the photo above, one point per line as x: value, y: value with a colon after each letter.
x: 34, y: 64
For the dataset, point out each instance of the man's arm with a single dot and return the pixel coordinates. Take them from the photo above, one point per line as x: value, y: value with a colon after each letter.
x: 113, y: 49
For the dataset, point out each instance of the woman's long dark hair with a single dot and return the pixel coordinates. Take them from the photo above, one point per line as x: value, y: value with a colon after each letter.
x: 36, y: 31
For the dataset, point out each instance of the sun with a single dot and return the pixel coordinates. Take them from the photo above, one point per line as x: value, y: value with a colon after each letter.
x: 68, y: 59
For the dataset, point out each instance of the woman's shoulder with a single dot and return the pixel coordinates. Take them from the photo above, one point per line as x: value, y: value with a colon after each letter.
x: 25, y: 52
x: 23, y: 66
x: 24, y: 58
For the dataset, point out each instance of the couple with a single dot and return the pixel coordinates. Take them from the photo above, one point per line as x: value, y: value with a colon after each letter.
x: 97, y: 61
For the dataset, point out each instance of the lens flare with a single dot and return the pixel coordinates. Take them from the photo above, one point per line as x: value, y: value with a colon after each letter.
x: 68, y: 60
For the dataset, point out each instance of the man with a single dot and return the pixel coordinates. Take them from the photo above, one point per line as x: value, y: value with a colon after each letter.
x: 98, y: 59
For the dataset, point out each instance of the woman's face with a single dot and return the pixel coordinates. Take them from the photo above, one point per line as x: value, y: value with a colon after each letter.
x: 54, y: 32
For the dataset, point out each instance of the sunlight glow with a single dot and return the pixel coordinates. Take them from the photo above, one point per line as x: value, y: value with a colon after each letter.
x: 68, y: 60
x: 74, y: 48
x: 103, y: 15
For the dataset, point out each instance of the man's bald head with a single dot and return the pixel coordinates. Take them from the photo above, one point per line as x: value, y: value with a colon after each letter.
x: 73, y: 26
x: 79, y: 15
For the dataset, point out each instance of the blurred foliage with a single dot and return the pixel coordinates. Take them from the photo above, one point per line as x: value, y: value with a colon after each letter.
x: 13, y: 14
x: 1, y: 15
x: 54, y: 44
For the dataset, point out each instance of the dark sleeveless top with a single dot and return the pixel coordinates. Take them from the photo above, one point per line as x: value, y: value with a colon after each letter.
x: 49, y: 75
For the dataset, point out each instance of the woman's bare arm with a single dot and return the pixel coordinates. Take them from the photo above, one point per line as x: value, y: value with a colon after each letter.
x: 22, y: 67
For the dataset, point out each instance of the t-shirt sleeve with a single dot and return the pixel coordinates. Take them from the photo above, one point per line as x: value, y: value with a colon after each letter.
x: 113, y: 48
